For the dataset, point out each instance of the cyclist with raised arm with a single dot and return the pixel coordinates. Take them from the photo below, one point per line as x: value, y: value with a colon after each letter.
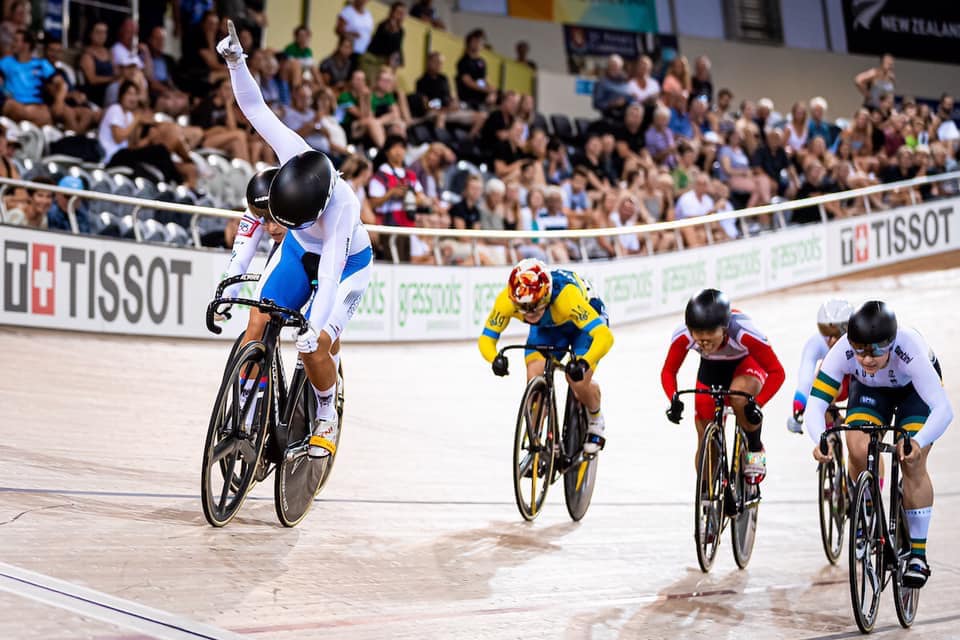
x: 831, y: 325
x: 893, y: 372
x: 734, y: 355
x: 322, y: 214
x: 561, y: 312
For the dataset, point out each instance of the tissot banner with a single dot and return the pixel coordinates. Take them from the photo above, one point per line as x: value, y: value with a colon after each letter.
x: 924, y: 30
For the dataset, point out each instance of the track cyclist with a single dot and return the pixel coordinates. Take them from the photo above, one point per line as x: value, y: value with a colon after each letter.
x: 831, y: 325
x: 892, y: 371
x: 733, y: 355
x: 561, y: 312
x: 323, y: 216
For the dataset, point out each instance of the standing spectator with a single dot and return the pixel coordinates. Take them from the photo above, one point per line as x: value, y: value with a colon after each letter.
x: 96, y: 63
x: 356, y: 21
x: 797, y: 129
x: 472, y: 87
x: 125, y: 47
x: 659, y: 139
x: 386, y: 46
x: 611, y: 94
x: 735, y: 171
x: 496, y: 128
x: 677, y: 80
x: 434, y: 100
x: 23, y: 79
x: 335, y: 70
x: 874, y: 83
x: 643, y: 87
x: 33, y: 213
x: 818, y: 127
x: 702, y: 84
x: 523, y: 51
x: 693, y: 204
x: 57, y: 216
x: 424, y: 10
x: 158, y: 69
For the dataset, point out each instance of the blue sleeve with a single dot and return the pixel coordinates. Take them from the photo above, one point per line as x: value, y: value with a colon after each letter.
x: 46, y: 68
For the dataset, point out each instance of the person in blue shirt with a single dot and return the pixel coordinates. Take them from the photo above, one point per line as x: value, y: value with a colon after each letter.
x: 57, y: 217
x: 23, y: 76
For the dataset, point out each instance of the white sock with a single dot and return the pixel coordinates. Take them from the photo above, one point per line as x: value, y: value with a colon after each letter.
x: 919, y: 522
x: 336, y: 360
x: 325, y: 407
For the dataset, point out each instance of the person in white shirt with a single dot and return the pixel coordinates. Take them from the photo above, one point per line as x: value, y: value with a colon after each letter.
x: 693, y: 204
x: 642, y: 86
x: 356, y: 21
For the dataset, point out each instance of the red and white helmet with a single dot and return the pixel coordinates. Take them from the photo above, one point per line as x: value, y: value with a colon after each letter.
x: 529, y: 285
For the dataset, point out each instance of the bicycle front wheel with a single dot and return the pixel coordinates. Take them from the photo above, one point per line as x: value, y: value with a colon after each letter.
x: 743, y: 527
x: 235, y: 437
x: 865, y: 554
x: 708, y: 513
x: 906, y: 599
x: 580, y: 479
x: 833, y: 500
x: 533, y: 449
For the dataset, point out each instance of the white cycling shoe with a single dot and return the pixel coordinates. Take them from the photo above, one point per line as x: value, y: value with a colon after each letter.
x: 323, y: 442
x: 595, y: 439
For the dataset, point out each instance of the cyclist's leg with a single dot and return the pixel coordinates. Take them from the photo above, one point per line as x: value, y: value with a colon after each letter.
x: 869, y: 404
x: 711, y: 373
x: 912, y: 413
x: 587, y: 390
x: 749, y: 378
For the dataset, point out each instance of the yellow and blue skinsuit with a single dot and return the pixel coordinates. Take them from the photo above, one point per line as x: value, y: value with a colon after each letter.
x: 571, y: 319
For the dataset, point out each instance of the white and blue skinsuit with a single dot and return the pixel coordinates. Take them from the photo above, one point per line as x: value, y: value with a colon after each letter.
x: 338, y: 236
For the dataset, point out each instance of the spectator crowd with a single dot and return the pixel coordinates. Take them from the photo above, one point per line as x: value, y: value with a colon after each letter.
x: 452, y: 153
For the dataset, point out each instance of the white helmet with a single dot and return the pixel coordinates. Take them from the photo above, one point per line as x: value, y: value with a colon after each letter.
x: 832, y: 318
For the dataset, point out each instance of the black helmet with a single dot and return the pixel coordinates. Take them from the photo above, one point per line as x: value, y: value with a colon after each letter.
x: 874, y: 323
x: 258, y: 191
x: 707, y: 310
x: 301, y: 190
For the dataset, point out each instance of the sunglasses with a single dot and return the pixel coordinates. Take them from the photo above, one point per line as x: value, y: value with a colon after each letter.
x: 876, y: 350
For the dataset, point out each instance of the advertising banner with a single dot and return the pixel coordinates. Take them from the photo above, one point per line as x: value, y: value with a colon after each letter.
x: 904, y: 28
x: 588, y: 47
x: 635, y: 15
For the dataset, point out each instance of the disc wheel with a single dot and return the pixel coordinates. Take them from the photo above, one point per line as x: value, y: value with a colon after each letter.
x: 865, y: 556
x: 580, y: 479
x: 905, y: 599
x: 232, y: 450
x: 743, y: 525
x: 300, y: 478
x: 708, y: 501
x: 833, y: 499
x: 533, y: 449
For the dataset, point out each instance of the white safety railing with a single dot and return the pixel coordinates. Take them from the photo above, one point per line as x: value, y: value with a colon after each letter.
x: 474, y: 236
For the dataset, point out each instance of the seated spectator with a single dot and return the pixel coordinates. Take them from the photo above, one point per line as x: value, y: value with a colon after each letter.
x: 692, y: 204
x: 591, y: 161
x: 735, y: 171
x: 526, y: 112
x: 552, y: 216
x: 510, y: 155
x: 222, y: 238
x: 686, y: 166
x: 356, y: 22
x: 159, y: 67
x: 57, y: 216
x: 766, y: 114
x: 947, y: 131
x: 54, y: 54
x: 424, y: 10
x: 557, y: 168
x: 429, y: 169
x: 386, y: 45
x: 358, y: 120
x: 611, y: 93
x: 659, y: 139
x: 706, y: 159
x: 496, y: 128
x: 96, y: 64
x: 472, y: 87
x: 23, y: 75
x: 875, y: 82
x: 125, y: 48
x: 701, y: 84
x: 772, y: 162
x: 466, y: 214
x: 904, y: 169
x: 12, y: 197
x: 680, y: 123
x: 265, y: 69
x: 325, y: 104
x: 724, y: 229
x: 201, y: 64
x: 575, y: 197
x: 537, y: 149
x: 129, y: 136
x: 216, y: 114
x: 609, y: 158
x: 335, y: 69
x: 629, y: 135
x: 435, y: 103
x: 130, y: 70
x: 387, y: 104
x: 390, y: 184
x: 643, y: 87
x: 720, y: 117
x: 859, y: 135
x: 33, y: 212
x: 491, y: 205
x: 300, y: 58
x: 818, y: 127
x: 16, y: 17
x: 677, y: 79
x: 69, y: 109
x: 893, y: 136
x: 816, y: 183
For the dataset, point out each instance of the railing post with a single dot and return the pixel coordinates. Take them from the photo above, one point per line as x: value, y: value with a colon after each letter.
x: 394, y: 252
x: 437, y: 255
x: 866, y: 204
x: 913, y: 196
x: 195, y: 230
x: 679, y: 238
x: 474, y: 251
x: 823, y: 212
x: 3, y: 206
x: 72, y: 214
x: 582, y: 243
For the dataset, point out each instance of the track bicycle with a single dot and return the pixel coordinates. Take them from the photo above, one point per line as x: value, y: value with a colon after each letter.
x: 833, y: 492
x: 264, y: 425
x: 879, y: 546
x: 543, y: 449
x: 722, y: 490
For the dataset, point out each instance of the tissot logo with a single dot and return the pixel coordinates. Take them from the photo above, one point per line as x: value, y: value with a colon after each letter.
x: 905, y: 233
x: 29, y: 274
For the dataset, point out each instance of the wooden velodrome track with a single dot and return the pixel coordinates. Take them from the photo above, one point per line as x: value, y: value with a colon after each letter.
x: 416, y: 535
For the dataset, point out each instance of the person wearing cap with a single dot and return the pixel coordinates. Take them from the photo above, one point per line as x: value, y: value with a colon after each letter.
x: 130, y: 68
x: 57, y: 217
x: 23, y: 75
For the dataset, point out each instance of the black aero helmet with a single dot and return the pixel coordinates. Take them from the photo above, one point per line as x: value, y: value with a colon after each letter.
x: 874, y: 323
x: 707, y: 310
x: 301, y: 190
x: 258, y: 191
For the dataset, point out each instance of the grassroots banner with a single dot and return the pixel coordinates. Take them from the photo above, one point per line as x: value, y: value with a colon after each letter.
x: 635, y: 15
x: 893, y: 236
x: 588, y: 47
x: 906, y: 28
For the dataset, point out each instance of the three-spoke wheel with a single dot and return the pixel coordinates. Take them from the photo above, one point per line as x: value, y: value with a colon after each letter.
x: 708, y: 516
x: 743, y: 526
x: 834, y: 502
x: 865, y: 555
x: 533, y: 449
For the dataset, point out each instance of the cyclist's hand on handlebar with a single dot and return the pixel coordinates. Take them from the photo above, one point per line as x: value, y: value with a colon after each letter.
x: 675, y: 412
x: 751, y: 411
x: 223, y: 314
x: 576, y: 369
x: 794, y: 425
x: 307, y: 341
x: 501, y: 366
x: 820, y: 456
x: 914, y: 454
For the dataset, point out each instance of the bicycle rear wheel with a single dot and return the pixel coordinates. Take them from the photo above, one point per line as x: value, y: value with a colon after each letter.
x: 533, y: 449
x: 580, y: 479
x: 232, y: 450
x: 708, y: 501
x: 299, y: 477
x: 743, y: 527
x: 865, y: 555
x: 832, y: 496
x: 906, y: 599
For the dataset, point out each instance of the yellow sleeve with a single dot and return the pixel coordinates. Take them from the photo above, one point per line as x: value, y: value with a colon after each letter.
x: 571, y: 305
x: 497, y: 321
